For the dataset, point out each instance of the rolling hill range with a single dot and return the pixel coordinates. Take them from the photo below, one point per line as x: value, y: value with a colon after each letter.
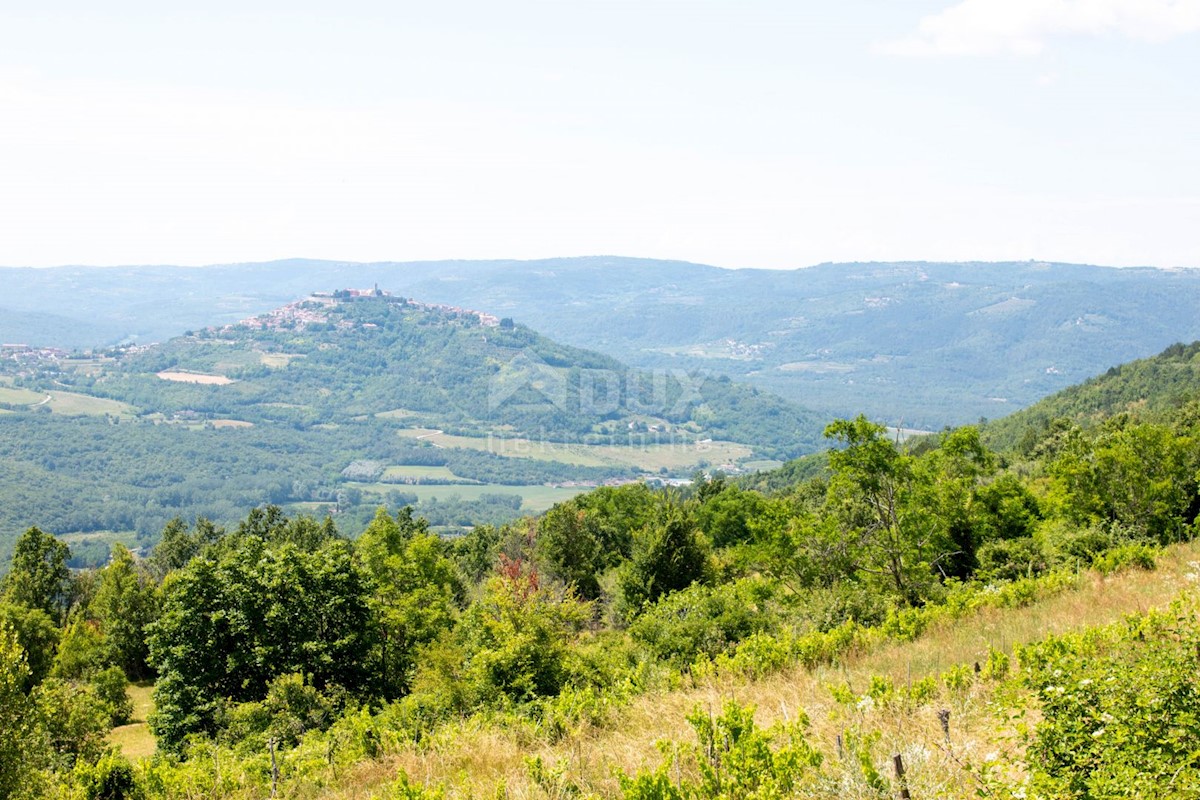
x: 346, y: 400
x: 915, y: 344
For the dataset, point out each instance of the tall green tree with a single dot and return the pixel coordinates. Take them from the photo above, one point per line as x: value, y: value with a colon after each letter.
x: 36, y: 634
x: 125, y: 604
x: 874, y: 494
x: 415, y: 585
x: 19, y: 740
x: 569, y: 546
x: 177, y: 545
x: 667, y: 556
x: 1139, y: 475
x: 39, y: 576
x: 232, y: 624
x: 948, y: 479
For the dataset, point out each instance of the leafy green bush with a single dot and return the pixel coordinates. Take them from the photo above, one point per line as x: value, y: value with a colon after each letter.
x: 1010, y: 559
x: 511, y: 645
x: 112, y: 689
x: 1120, y: 708
x: 110, y: 778
x: 1134, y: 554
x: 733, y: 758
x: 703, y: 620
x: 667, y: 556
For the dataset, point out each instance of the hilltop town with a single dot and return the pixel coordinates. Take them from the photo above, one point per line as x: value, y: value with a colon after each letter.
x: 312, y: 310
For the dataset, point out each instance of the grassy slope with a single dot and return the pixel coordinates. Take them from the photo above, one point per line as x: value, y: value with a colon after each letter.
x: 135, y: 740
x: 472, y: 759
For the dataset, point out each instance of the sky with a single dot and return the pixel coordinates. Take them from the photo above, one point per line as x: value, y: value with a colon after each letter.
x: 757, y: 133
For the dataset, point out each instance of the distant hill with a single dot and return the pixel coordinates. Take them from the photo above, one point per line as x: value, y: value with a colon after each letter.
x: 915, y: 344
x: 346, y: 400
x: 1149, y: 388
x: 336, y: 359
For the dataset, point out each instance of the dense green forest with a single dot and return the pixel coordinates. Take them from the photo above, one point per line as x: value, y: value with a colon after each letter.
x: 285, y: 657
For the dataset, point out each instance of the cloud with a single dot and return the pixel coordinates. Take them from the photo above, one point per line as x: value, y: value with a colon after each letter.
x: 1023, y: 27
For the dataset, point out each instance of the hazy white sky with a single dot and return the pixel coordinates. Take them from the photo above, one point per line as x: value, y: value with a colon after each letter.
x: 766, y: 133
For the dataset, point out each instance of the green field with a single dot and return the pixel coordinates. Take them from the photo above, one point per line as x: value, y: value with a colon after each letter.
x: 649, y: 457
x: 71, y: 404
x: 398, y: 413
x: 135, y: 739
x: 127, y: 538
x: 761, y: 466
x: 535, y: 499
x: 20, y: 397
x: 416, y: 473
x: 277, y: 360
x: 66, y: 403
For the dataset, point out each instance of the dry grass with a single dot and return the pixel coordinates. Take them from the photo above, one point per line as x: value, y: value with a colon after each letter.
x: 135, y: 740
x: 471, y: 760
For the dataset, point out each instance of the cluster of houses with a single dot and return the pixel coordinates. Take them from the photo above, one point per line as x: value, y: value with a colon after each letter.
x: 313, y: 310
x: 24, y: 354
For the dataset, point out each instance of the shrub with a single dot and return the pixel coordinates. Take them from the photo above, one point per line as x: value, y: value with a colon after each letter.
x: 112, y: 689
x: 734, y: 758
x: 110, y: 778
x: 702, y: 621
x: 1120, y: 709
x: 1135, y: 555
x: 1010, y: 559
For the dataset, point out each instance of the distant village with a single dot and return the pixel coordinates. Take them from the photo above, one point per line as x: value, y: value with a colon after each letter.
x: 25, y: 354
x: 312, y: 310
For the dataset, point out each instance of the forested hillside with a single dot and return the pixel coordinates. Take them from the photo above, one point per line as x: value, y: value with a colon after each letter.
x: 913, y: 344
x: 338, y: 404
x: 1152, y: 388
x: 287, y: 659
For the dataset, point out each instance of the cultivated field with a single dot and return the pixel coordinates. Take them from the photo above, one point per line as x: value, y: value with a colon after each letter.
x: 277, y: 360
x: 72, y: 404
x: 649, y: 456
x: 534, y: 498
x: 194, y: 377
x: 20, y: 397
x: 415, y: 473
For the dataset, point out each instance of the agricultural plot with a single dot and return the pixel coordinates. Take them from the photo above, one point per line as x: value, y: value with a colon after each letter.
x: 194, y: 377
x: 72, y: 404
x: 277, y: 360
x: 20, y: 397
x: 650, y: 456
x: 414, y: 473
x: 534, y: 499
